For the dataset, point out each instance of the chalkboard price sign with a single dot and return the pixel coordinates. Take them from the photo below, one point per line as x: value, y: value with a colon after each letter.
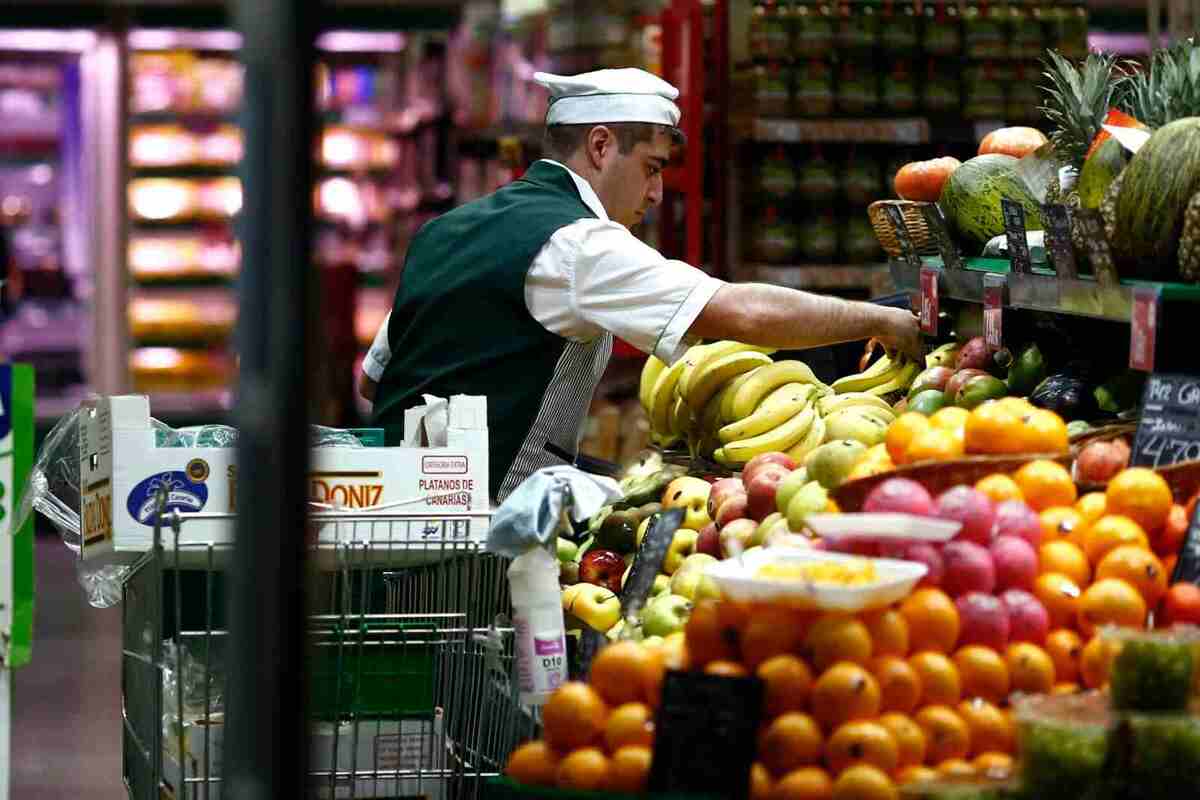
x: 896, y: 217
x: 1014, y: 227
x: 941, y: 236
x: 1058, y: 240
x: 1187, y: 568
x: 649, y: 559
x: 1169, y: 431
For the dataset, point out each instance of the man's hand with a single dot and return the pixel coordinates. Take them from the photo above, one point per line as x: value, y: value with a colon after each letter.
x: 903, y: 332
x: 367, y: 387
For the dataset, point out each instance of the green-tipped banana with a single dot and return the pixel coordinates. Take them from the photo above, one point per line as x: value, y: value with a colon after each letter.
x: 710, y: 353
x: 716, y: 373
x: 839, y: 402
x: 730, y: 392
x: 811, y: 441
x: 768, y: 379
x: 778, y: 440
x: 650, y: 372
x: 778, y: 407
x: 944, y: 356
x: 900, y: 382
x: 881, y: 371
x: 662, y: 398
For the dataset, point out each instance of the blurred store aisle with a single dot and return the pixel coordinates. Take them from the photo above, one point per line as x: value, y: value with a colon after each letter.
x: 67, y: 710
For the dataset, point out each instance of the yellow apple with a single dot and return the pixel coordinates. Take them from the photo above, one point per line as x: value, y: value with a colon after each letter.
x: 690, y: 494
x: 681, y: 547
x: 594, y: 606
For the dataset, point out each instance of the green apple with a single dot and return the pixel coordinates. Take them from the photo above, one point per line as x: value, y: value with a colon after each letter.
x: 700, y: 561
x: 760, y: 533
x: 682, y: 546
x: 566, y: 549
x: 662, y: 583
x: 665, y: 615
x: 794, y: 482
x: 811, y: 499
x: 694, y: 584
x: 653, y: 641
x: 594, y: 606
x: 690, y: 494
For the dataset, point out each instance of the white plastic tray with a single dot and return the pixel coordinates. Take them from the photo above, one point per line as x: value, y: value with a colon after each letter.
x: 737, y: 579
x: 908, y: 527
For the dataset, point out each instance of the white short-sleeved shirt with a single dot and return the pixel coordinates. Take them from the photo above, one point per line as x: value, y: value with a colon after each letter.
x: 594, y: 276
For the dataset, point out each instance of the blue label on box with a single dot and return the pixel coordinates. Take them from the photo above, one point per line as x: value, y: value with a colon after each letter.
x: 183, y: 494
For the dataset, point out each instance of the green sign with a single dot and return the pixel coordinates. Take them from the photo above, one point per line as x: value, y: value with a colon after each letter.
x: 16, y: 547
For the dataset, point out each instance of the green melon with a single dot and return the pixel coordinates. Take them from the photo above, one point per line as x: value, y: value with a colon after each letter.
x: 1156, y: 188
x: 971, y: 199
x: 1099, y: 171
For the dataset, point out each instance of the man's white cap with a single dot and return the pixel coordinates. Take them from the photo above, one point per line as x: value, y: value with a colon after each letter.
x: 610, y: 95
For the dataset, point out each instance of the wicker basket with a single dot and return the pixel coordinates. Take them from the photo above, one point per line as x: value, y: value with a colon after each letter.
x: 918, y: 230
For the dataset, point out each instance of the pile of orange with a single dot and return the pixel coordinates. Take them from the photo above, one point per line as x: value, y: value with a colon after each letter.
x: 914, y: 437
x: 1009, y: 426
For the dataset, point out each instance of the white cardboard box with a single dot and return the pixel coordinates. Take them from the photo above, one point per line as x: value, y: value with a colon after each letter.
x: 121, y: 472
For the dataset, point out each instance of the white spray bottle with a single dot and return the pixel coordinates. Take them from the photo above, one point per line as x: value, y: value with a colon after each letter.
x: 540, y: 635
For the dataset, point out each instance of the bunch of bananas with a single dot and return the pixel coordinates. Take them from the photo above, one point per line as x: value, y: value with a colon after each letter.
x: 887, y: 375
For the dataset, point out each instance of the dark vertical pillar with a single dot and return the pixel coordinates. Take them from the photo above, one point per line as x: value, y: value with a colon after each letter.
x: 266, y: 738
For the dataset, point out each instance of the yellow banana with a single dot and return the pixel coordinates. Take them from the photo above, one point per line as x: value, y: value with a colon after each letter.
x: 776, y: 440
x: 766, y: 380
x: 886, y: 417
x: 710, y: 353
x: 719, y: 372
x: 900, y: 381
x: 662, y: 397
x: 681, y: 417
x: 710, y: 420
x: 730, y: 392
x: 663, y: 440
x: 778, y: 407
x: 881, y: 371
x: 650, y: 372
x: 837, y: 402
x: 811, y: 441
x: 691, y: 358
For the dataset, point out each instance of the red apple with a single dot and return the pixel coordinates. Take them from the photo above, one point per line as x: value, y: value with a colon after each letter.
x: 734, y: 507
x: 761, y: 491
x: 721, y: 490
x: 758, y: 462
x: 603, y: 568
x: 736, y: 536
x: 709, y: 541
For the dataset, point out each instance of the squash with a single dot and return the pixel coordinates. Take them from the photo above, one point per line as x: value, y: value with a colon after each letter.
x: 923, y: 180
x: 1017, y: 142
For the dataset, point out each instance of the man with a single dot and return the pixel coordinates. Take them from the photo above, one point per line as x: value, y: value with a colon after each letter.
x: 517, y: 296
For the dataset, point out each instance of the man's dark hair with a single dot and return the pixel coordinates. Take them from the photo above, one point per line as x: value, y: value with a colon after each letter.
x: 561, y: 141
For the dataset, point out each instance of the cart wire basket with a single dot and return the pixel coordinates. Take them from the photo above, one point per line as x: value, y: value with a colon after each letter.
x: 410, y: 660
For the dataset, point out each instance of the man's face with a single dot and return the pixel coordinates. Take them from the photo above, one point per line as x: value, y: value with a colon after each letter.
x: 630, y: 183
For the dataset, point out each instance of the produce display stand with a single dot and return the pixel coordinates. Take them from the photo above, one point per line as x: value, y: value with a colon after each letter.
x: 505, y: 789
x: 410, y: 665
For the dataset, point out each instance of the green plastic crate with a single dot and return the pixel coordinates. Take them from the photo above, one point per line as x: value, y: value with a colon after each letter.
x: 373, y: 669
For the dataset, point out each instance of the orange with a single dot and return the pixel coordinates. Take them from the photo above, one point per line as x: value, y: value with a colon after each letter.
x: 1169, y: 563
x: 901, y: 433
x: 1045, y: 484
x: 1060, y: 595
x: 916, y: 774
x: 866, y: 469
x: 864, y: 782
x: 533, y: 764
x: 950, y: 418
x: 1065, y: 649
x: 1092, y: 506
x: 956, y: 768
x: 990, y: 728
x: 1030, y: 668
x: 787, y: 682
x: 1167, y: 540
x: 1140, y: 568
x: 1043, y: 431
x: 574, y: 716
x: 834, y: 638
x: 806, y: 783
x: 629, y: 724
x: 996, y: 766
x: 899, y: 684
x: 861, y: 742
x: 709, y: 637
x: 629, y: 769
x: 1182, y: 604
x: 993, y: 428
x: 1111, y: 601
x: 1142, y: 495
x: 932, y: 620
x: 728, y: 669
x: 666, y: 656
x: 1059, y: 522
x: 760, y: 782
x: 1059, y: 555
x: 999, y: 488
x: 619, y: 670
x: 1065, y: 687
x: 844, y: 692
x: 1096, y: 660
x: 983, y: 673
x: 940, y: 684
x: 585, y: 770
x: 889, y: 632
x: 793, y: 740
x: 909, y: 738
x: 770, y: 631
x: 1110, y: 532
x: 933, y: 444
x: 946, y: 734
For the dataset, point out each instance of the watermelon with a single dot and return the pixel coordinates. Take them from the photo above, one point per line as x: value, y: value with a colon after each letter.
x: 1099, y: 171
x: 971, y: 199
x: 1155, y: 191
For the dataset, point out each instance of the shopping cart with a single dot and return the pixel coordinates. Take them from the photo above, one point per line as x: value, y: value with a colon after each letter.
x: 410, y: 660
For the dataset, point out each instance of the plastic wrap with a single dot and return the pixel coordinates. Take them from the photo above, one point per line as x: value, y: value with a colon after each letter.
x: 320, y: 436
x: 219, y: 436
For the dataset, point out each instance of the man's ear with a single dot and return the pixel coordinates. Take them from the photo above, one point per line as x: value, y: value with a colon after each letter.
x: 599, y: 140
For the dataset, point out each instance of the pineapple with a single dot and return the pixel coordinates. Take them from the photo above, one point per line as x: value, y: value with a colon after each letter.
x: 1169, y: 89
x: 1077, y: 100
x: 1189, y: 242
x: 1108, y: 206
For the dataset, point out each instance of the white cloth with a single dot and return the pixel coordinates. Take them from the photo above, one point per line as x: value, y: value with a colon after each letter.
x: 594, y: 276
x: 609, y: 95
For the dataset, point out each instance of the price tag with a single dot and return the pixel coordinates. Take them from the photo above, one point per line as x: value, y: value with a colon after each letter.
x: 1104, y: 268
x: 648, y: 561
x: 993, y: 310
x: 1058, y: 240
x: 941, y: 236
x: 1169, y: 430
x: 1014, y: 228
x: 705, y: 734
x: 1143, y: 328
x: 896, y: 216
x: 929, y: 301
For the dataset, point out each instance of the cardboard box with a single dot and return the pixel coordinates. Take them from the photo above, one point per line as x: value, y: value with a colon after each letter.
x: 122, y: 473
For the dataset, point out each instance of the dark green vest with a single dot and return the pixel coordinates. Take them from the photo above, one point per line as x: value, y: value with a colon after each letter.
x: 460, y: 325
